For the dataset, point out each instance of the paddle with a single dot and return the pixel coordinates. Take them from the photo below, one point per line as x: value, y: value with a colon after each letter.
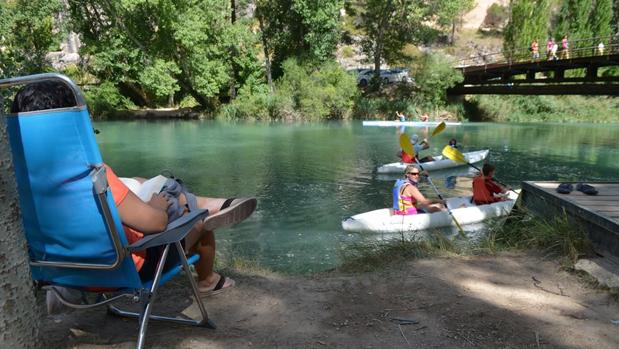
x: 455, y: 155
x: 407, y: 147
x: 439, y: 128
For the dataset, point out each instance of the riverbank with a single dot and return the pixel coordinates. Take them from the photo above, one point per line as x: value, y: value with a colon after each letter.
x: 511, y: 300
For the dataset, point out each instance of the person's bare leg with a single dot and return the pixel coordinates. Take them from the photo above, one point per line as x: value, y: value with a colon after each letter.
x: 203, y: 243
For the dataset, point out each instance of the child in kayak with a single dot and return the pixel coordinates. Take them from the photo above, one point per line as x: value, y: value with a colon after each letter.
x: 485, y: 188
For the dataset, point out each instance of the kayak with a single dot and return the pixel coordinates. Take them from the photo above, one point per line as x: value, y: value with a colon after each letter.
x: 394, y: 123
x: 384, y: 221
x: 439, y: 163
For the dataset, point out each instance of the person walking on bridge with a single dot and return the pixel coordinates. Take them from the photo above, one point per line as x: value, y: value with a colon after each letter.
x: 565, y: 48
x: 535, y: 49
x: 549, y: 44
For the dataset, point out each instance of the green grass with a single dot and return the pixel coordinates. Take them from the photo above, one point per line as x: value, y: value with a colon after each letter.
x: 545, y: 108
x: 555, y: 237
x: 379, y: 255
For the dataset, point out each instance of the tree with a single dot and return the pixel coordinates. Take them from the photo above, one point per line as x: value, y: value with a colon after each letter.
x: 306, y: 30
x: 156, y: 51
x: 26, y: 30
x: 389, y: 26
x: 530, y: 20
x: 574, y: 19
x: 448, y: 12
x: 19, y: 312
x: 601, y: 18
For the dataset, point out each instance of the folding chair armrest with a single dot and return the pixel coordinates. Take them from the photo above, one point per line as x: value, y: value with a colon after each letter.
x: 175, y: 231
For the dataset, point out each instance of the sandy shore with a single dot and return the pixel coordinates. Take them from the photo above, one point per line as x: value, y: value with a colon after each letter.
x: 506, y: 301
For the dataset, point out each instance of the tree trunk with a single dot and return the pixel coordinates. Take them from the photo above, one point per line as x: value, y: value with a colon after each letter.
x: 19, y: 314
x: 267, y: 58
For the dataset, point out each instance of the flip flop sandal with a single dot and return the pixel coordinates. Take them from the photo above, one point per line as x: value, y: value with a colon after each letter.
x: 219, y: 287
x: 565, y: 188
x: 586, y: 188
x: 232, y: 212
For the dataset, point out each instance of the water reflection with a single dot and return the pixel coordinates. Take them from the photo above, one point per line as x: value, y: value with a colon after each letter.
x: 307, y: 177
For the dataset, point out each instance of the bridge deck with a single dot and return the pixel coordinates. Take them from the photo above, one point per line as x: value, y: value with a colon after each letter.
x: 598, y: 214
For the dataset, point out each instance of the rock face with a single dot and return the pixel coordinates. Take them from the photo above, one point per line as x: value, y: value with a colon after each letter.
x: 475, y: 18
x: 68, y: 53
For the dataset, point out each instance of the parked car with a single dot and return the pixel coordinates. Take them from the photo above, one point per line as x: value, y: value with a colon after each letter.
x: 386, y: 75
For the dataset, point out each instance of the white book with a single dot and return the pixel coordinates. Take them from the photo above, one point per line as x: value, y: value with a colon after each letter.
x: 145, y: 190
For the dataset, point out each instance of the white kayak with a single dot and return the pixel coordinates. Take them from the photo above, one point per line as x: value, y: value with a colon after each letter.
x: 395, y: 123
x: 384, y: 221
x: 440, y: 162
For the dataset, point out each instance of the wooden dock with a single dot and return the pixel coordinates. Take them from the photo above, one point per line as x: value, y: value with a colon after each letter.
x: 597, y: 214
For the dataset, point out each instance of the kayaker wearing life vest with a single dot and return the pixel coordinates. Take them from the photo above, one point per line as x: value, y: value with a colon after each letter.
x: 408, y: 200
x: 484, y: 187
x: 418, y: 147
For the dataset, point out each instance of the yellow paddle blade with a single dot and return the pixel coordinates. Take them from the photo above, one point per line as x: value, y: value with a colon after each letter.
x: 405, y: 144
x: 439, y: 128
x: 453, y: 154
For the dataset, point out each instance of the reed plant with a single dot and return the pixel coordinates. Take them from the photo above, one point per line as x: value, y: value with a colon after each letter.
x: 555, y: 237
x: 365, y: 257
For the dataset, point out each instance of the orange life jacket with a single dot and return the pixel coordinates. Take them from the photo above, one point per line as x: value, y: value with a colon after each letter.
x: 481, y: 194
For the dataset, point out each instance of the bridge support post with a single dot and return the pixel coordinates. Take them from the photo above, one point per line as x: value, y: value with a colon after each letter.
x: 592, y: 73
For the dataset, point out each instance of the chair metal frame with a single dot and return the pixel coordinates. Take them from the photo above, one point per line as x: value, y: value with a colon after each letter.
x: 174, y: 233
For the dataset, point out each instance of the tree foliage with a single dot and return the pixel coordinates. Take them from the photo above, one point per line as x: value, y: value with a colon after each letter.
x: 601, y: 18
x: 574, y: 19
x: 154, y: 51
x: 435, y: 75
x: 306, y: 30
x: 26, y: 34
x: 530, y: 20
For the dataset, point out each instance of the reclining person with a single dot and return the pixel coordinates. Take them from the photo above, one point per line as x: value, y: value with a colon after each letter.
x: 140, y: 218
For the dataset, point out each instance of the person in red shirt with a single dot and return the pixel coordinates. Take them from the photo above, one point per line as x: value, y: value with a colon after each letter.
x: 485, y: 188
x: 141, y: 218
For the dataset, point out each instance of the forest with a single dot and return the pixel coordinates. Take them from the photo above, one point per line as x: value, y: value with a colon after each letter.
x: 278, y: 59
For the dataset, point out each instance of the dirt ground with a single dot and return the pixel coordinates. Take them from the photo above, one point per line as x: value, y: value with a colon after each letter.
x: 508, y: 301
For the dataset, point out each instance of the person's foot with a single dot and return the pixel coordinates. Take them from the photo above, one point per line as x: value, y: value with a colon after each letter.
x: 219, y: 284
x: 231, y: 212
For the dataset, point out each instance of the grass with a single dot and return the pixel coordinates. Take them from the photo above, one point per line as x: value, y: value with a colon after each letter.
x: 545, y: 108
x: 367, y: 257
x: 555, y: 238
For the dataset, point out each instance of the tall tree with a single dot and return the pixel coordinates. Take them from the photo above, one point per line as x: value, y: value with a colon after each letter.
x: 449, y: 12
x: 601, y: 18
x: 529, y: 20
x: 153, y: 50
x: 574, y: 19
x: 27, y: 33
x: 389, y: 25
x: 307, y: 30
x: 19, y: 313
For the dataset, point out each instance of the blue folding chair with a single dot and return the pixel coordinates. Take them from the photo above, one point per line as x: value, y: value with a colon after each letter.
x: 74, y: 233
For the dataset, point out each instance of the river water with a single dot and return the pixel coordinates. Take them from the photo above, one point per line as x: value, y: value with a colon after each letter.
x: 307, y: 177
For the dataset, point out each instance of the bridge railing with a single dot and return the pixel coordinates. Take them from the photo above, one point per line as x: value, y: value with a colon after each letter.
x: 577, y: 48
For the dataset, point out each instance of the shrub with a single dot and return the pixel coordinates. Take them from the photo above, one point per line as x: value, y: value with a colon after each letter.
x: 105, y: 99
x: 435, y: 75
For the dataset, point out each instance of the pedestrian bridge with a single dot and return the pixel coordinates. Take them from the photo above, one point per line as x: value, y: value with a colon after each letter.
x: 585, y: 69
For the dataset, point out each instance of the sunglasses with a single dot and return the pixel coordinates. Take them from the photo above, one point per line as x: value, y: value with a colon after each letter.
x: 413, y: 173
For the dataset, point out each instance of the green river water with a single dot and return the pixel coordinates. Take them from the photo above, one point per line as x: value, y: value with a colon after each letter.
x: 308, y: 177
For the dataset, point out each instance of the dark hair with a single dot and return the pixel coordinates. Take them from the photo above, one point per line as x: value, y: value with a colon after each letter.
x: 43, y: 95
x: 487, y: 169
x: 453, y: 140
